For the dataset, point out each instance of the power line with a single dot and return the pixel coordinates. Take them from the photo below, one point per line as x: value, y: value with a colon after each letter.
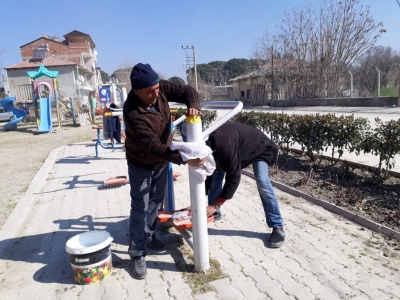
x: 251, y: 11
x: 244, y: 37
x: 249, y: 35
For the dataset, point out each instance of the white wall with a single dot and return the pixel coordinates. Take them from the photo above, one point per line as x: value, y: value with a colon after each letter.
x: 65, y: 78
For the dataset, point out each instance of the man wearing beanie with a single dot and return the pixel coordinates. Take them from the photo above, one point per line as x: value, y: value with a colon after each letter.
x: 148, y: 137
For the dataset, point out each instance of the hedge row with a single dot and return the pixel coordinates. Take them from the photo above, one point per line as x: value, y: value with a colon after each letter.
x: 317, y: 133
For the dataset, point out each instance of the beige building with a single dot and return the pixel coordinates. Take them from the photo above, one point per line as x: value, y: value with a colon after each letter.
x: 73, y: 57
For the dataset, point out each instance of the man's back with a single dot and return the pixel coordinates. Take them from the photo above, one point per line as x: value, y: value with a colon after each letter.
x: 239, y: 144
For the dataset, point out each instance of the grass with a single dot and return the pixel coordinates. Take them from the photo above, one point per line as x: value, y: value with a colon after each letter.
x: 11, y: 206
x: 368, y: 244
x: 24, y: 189
x: 316, y: 226
x: 390, y: 268
x: 199, y: 282
x: 391, y: 92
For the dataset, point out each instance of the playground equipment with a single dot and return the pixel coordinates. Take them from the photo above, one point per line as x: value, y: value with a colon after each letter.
x: 19, y: 114
x: 99, y: 140
x: 108, y: 96
x: 43, y: 90
x: 108, y: 99
x: 199, y: 239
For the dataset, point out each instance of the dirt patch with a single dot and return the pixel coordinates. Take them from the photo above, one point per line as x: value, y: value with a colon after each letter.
x: 23, y: 152
x: 352, y: 188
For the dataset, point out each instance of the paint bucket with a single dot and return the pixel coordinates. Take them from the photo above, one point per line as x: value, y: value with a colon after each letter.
x: 90, y: 256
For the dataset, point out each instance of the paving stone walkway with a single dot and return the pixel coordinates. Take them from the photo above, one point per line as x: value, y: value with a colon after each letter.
x: 325, y: 255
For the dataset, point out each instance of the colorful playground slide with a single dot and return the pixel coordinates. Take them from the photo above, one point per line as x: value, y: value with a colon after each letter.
x: 45, y: 124
x: 19, y: 114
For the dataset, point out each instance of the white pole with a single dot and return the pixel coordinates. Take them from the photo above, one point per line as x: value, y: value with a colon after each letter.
x: 198, y: 203
x: 379, y: 81
x: 238, y: 105
x: 124, y: 95
x: 199, y: 240
x: 114, y: 93
x: 351, y: 84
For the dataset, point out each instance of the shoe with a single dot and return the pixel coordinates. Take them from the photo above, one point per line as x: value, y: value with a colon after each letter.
x: 155, y: 243
x: 217, y: 215
x: 277, y: 238
x: 139, y: 268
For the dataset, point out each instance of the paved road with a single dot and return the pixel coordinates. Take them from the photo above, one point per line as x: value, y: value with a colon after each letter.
x: 325, y: 256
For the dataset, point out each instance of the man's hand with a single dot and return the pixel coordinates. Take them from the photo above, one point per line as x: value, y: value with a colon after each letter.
x: 189, y: 209
x: 196, y: 162
x: 193, y: 112
x: 211, y: 209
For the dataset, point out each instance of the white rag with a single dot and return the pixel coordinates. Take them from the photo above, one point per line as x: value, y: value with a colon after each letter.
x: 193, y: 150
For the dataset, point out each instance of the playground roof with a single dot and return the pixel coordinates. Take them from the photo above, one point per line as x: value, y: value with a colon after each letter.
x: 50, y: 61
x: 42, y: 72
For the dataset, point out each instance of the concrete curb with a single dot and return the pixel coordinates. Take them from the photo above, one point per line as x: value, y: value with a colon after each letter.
x: 334, y: 208
x: 25, y: 204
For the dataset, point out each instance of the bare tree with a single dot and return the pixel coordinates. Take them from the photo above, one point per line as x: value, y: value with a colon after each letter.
x: 2, y: 54
x: 325, y: 41
x: 262, y: 48
x: 123, y: 73
x: 383, y: 58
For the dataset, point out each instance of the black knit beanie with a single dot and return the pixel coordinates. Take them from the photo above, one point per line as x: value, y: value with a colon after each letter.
x: 143, y: 76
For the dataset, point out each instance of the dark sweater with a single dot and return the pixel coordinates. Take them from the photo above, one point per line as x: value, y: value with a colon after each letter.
x: 148, y: 132
x: 235, y: 147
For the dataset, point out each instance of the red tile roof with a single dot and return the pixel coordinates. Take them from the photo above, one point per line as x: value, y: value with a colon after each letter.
x: 50, y: 61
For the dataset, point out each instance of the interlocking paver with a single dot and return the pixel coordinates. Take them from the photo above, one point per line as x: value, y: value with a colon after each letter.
x: 325, y: 256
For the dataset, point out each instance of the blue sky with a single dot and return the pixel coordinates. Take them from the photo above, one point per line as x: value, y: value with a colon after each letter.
x: 132, y: 31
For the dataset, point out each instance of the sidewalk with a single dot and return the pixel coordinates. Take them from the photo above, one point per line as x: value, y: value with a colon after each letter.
x: 325, y: 256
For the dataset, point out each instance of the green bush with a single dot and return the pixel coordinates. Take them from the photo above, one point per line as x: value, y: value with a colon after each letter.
x: 316, y: 133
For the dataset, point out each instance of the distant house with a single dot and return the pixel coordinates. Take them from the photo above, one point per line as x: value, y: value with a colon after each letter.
x: 74, y: 58
x: 222, y: 93
x: 262, y: 86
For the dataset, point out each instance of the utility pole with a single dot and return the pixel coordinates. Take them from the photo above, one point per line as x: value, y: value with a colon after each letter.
x: 272, y: 75
x: 192, y: 59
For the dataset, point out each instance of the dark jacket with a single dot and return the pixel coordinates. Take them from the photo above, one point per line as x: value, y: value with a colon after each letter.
x: 148, y: 133
x: 235, y: 147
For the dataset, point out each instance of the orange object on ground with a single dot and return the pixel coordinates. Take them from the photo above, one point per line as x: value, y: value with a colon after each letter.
x: 176, y: 174
x: 187, y: 223
x: 164, y: 216
x: 116, y: 180
x: 98, y: 111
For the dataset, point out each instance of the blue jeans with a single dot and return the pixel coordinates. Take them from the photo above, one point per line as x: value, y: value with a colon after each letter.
x: 265, y: 189
x: 216, y: 187
x: 147, y: 193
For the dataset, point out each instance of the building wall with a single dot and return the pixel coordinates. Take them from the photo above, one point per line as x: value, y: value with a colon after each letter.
x: 349, y: 102
x: 65, y: 80
x: 249, y: 91
x: 55, y: 48
x: 79, y: 52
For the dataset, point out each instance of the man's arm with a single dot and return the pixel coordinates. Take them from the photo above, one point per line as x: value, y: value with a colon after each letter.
x: 184, y: 94
x: 229, y: 162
